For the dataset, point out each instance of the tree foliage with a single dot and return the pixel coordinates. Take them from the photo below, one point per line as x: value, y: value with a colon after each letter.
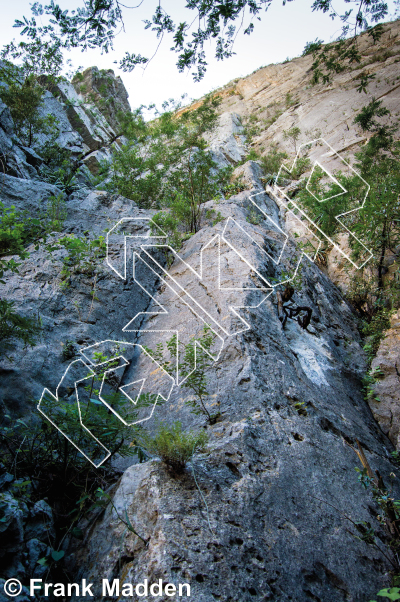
x: 165, y: 165
x: 95, y: 24
x: 377, y: 224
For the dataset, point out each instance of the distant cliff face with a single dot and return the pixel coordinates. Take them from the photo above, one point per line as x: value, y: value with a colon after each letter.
x: 261, y: 515
x: 278, y: 97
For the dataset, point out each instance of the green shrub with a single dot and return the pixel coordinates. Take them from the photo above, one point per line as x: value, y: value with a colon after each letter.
x: 197, y: 352
x: 37, y: 453
x: 84, y: 254
x: 374, y: 330
x: 174, y: 446
x: 272, y: 161
x: 293, y: 135
x: 312, y: 47
x: 254, y: 217
x: 303, y: 164
x: 164, y: 163
x: 15, y: 326
x: 18, y: 230
x: 391, y: 594
x: 253, y: 156
x: 233, y: 187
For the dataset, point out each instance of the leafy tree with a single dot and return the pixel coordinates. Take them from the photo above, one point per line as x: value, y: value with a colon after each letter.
x: 165, y: 165
x: 194, y: 183
x: 377, y: 224
x: 197, y: 352
x: 96, y: 23
x: 18, y: 229
x: 366, y: 117
x: 84, y: 255
x: 36, y: 58
x: 24, y: 97
x: 292, y: 134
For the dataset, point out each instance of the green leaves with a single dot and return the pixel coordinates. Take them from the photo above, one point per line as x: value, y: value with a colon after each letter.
x: 366, y: 117
x: 84, y: 254
x: 312, y: 47
x: 391, y: 594
x: 333, y: 58
x: 95, y: 25
x: 365, y: 79
x: 14, y: 326
x: 174, y: 446
x: 164, y: 165
x: 193, y: 362
x: 56, y: 556
x: 130, y: 60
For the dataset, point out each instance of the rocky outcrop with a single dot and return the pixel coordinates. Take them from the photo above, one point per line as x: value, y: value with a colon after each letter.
x: 261, y: 514
x: 27, y: 531
x: 107, y: 92
x: 79, y: 125
x: 280, y: 96
x: 385, y: 369
x: 227, y: 143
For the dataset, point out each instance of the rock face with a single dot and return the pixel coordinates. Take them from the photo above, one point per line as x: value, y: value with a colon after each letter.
x: 318, y: 110
x: 386, y: 367
x: 102, y: 88
x: 86, y: 125
x: 27, y: 533
x: 262, y: 514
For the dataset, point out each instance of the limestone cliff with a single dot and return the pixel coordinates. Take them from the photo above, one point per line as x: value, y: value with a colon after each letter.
x: 264, y: 513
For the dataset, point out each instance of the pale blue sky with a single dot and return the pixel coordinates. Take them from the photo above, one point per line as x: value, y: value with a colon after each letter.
x: 282, y: 32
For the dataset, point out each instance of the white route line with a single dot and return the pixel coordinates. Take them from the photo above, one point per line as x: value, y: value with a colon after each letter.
x: 190, y: 301
x: 91, y: 374
x: 340, y: 215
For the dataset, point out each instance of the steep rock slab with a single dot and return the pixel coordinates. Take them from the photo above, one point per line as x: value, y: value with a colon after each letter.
x: 86, y: 119
x: 67, y: 135
x: 273, y: 467
x: 227, y: 141
x: 278, y: 97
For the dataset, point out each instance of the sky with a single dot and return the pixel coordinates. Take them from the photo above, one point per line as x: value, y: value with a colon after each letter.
x: 282, y: 33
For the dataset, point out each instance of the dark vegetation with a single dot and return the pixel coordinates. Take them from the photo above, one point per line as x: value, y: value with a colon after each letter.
x: 95, y: 25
